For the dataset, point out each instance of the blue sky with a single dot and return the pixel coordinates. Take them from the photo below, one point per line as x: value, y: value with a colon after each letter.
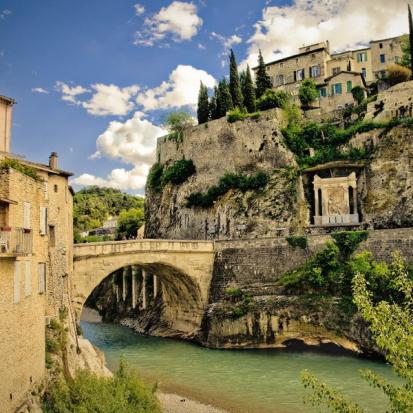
x: 93, y: 78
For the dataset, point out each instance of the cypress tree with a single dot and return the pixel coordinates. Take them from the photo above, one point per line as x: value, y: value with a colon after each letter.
x: 262, y: 81
x: 248, y: 90
x: 224, y: 99
x: 234, y: 83
x: 410, y: 37
x: 213, y: 105
x: 203, y: 104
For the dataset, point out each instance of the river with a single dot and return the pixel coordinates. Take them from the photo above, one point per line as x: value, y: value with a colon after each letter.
x: 241, y: 381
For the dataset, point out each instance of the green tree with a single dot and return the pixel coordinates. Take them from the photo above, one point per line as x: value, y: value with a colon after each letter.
x: 358, y: 94
x: 203, y: 104
x: 307, y: 92
x: 224, y: 99
x: 234, y: 82
x: 248, y: 91
x: 390, y: 323
x: 397, y: 74
x: 178, y: 122
x: 213, y: 105
x: 129, y: 222
x: 262, y: 79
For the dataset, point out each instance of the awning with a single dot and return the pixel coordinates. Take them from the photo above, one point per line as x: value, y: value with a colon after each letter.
x: 8, y: 201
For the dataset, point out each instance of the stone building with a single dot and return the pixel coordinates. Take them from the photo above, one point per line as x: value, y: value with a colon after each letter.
x: 361, y: 66
x: 35, y: 264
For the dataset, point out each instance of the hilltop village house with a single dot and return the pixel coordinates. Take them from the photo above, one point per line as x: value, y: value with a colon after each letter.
x: 335, y: 74
x: 35, y: 262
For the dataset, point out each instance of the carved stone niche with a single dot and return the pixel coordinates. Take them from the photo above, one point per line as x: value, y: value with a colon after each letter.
x: 335, y: 200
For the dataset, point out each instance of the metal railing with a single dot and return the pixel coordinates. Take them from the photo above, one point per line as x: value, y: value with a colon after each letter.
x: 16, y: 241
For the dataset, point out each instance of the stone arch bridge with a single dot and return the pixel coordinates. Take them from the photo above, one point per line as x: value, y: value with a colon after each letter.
x: 182, y: 268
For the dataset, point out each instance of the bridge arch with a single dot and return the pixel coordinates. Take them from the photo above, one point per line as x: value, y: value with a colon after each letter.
x: 183, y: 267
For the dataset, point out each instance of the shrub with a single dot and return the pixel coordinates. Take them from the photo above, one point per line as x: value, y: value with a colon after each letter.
x: 307, y: 92
x: 179, y: 172
x: 177, y: 123
x: 358, y: 94
x: 233, y: 292
x: 273, y: 99
x: 228, y: 181
x: 348, y: 241
x: 397, y: 74
x: 124, y: 392
x: 237, y: 114
x: 18, y: 166
x: 298, y: 241
x: 154, y: 181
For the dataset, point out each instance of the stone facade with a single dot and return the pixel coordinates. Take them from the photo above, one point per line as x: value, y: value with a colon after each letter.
x: 6, y: 108
x: 35, y: 265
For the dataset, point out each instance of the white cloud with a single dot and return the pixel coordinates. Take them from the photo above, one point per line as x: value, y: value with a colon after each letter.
x: 105, y: 100
x: 180, y: 90
x: 120, y: 178
x: 132, y: 142
x: 70, y: 93
x: 346, y: 23
x: 39, y: 90
x: 5, y: 13
x: 179, y: 19
x: 111, y: 100
x: 139, y: 9
x: 227, y: 42
x: 201, y: 46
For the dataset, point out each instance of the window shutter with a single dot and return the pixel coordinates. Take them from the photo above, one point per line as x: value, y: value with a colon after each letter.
x: 339, y: 88
x: 41, y: 274
x: 43, y: 220
x: 28, y: 278
x: 26, y: 215
x: 16, y: 283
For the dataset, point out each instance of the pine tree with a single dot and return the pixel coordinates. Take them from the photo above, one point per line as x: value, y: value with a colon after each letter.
x: 213, y: 105
x: 248, y: 91
x: 234, y: 82
x: 410, y: 37
x: 262, y: 81
x: 203, y: 104
x: 224, y: 99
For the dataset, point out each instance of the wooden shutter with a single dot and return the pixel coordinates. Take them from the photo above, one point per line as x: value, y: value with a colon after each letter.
x: 16, y: 283
x: 26, y: 215
x: 41, y: 274
x: 43, y: 220
x: 28, y: 278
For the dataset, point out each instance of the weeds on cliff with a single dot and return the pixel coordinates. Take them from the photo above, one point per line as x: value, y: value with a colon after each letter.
x: 124, y: 392
x: 236, y: 115
x: 7, y: 163
x: 227, y: 182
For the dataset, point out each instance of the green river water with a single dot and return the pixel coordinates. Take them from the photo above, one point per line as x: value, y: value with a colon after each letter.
x: 247, y: 381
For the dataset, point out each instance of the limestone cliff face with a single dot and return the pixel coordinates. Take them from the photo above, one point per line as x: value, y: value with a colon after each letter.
x: 216, y: 148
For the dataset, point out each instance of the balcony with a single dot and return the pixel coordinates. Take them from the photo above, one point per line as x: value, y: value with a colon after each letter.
x: 15, y: 242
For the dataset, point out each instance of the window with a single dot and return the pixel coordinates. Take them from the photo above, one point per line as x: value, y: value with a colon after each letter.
x: 299, y: 75
x: 362, y: 57
x: 52, y: 236
x: 279, y: 80
x: 313, y: 56
x: 56, y: 188
x: 381, y: 45
x: 336, y: 89
x: 41, y: 274
x: 27, y: 278
x: 43, y: 220
x: 349, y: 86
x: 382, y: 58
x: 336, y: 70
x: 323, y: 92
x: 364, y: 72
x: 281, y: 64
x: 26, y: 215
x: 315, y: 71
x: 16, y: 283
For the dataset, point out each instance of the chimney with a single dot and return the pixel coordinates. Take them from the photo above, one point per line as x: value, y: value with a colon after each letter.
x: 53, y: 160
x: 6, y: 109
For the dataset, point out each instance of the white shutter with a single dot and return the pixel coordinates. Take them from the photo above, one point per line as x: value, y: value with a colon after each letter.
x: 26, y: 216
x: 41, y: 273
x: 28, y: 278
x: 43, y: 220
x: 16, y: 283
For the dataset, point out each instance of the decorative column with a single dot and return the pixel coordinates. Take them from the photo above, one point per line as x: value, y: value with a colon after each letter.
x: 355, y: 200
x: 316, y: 202
x: 144, y: 295
x: 133, y: 283
x: 155, y: 286
x: 124, y: 284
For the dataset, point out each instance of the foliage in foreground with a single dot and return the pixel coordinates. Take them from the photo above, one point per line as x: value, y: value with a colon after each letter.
x: 391, y: 325
x: 87, y: 393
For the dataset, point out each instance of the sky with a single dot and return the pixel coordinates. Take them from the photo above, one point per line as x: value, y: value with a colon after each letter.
x: 94, y: 79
